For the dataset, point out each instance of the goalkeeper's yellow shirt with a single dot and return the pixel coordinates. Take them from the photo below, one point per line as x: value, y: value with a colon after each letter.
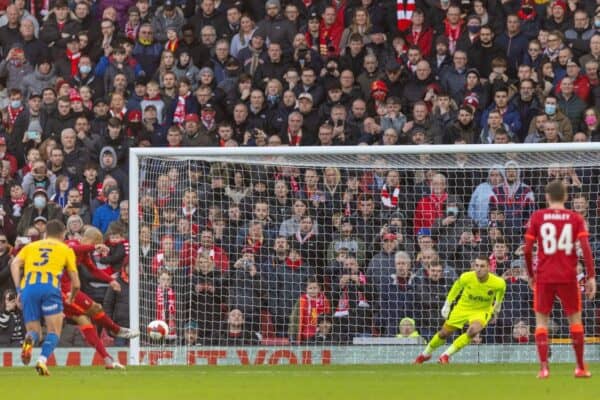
x: 476, y: 295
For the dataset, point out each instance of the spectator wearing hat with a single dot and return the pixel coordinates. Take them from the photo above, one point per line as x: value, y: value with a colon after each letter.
x: 348, y: 240
x: 276, y: 28
x: 109, y: 211
x: 558, y: 19
x: 67, y: 63
x: 44, y: 76
x: 15, y: 67
x: 167, y: 16
x: 393, y: 79
x: 40, y: 207
x: 147, y: 51
x: 255, y: 54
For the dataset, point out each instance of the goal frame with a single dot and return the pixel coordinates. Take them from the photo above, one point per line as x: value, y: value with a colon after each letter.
x: 135, y: 155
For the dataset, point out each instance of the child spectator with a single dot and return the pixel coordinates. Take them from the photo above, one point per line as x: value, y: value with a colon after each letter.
x: 116, y: 242
x: 153, y: 98
x: 304, y: 318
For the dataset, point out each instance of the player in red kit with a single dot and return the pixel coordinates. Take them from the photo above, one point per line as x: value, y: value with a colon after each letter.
x: 83, y: 310
x: 556, y: 229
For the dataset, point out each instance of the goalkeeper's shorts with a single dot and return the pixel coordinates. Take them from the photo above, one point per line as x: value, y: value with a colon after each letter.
x: 459, y: 317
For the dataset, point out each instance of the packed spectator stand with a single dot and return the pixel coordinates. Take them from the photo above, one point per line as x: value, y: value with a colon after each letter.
x: 230, y: 254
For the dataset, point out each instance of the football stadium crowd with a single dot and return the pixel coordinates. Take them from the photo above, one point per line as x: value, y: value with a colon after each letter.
x: 232, y: 254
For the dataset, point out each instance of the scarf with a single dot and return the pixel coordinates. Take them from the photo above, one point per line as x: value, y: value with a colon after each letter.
x: 389, y: 201
x: 13, y: 113
x: 294, y: 140
x: 255, y: 60
x: 294, y: 265
x: 172, y: 45
x: 404, y: 11
x: 179, y: 114
x: 304, y: 239
x: 20, y: 201
x: 131, y: 31
x: 165, y: 305
x: 452, y: 33
x: 74, y: 58
x: 343, y: 307
x: 309, y: 311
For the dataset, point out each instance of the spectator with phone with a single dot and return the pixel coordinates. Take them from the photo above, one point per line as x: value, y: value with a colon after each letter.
x: 12, y: 329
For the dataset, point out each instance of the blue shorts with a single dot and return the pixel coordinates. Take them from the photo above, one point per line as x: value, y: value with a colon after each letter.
x: 40, y: 300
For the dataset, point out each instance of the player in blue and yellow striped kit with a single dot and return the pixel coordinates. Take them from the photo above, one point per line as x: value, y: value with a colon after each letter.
x: 36, y: 272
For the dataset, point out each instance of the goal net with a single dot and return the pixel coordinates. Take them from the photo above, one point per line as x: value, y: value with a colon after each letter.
x: 339, y: 248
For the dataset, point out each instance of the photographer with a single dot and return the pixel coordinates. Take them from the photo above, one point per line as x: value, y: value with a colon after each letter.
x: 12, y: 329
x: 75, y: 206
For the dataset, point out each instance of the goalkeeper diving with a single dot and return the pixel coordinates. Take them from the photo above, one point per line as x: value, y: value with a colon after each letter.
x: 478, y: 295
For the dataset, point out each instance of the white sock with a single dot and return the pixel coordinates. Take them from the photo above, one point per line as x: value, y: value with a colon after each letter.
x: 42, y: 359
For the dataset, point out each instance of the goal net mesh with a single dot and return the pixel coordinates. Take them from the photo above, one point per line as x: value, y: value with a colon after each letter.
x: 342, y: 249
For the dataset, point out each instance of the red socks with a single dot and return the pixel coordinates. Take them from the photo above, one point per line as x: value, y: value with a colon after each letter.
x: 91, y: 336
x: 541, y: 341
x: 578, y: 341
x: 102, y: 319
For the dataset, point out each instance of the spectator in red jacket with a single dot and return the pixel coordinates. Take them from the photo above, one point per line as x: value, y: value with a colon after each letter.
x: 431, y: 207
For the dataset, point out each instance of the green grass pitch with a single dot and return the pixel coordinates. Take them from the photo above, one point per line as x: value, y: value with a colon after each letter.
x: 431, y: 381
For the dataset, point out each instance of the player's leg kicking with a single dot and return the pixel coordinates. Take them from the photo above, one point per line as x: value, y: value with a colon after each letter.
x: 94, y: 311
x: 90, y: 334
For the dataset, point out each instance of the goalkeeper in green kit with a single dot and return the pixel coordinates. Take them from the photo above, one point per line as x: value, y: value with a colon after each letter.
x: 481, y: 293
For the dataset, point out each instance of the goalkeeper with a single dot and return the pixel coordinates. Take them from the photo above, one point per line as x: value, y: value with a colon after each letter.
x: 481, y: 294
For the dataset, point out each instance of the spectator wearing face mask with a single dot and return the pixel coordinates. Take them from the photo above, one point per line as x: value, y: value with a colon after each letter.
x: 40, y: 207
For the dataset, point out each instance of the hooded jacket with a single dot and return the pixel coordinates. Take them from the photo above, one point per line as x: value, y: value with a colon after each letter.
x: 480, y: 199
x: 515, y: 199
x: 36, y: 82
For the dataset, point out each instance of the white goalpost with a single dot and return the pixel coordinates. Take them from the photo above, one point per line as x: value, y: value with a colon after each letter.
x: 319, y: 255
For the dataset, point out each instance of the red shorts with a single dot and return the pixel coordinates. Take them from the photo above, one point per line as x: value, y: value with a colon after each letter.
x: 568, y: 293
x: 79, y: 306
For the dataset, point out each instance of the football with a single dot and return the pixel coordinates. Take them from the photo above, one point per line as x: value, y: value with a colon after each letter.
x: 157, y: 330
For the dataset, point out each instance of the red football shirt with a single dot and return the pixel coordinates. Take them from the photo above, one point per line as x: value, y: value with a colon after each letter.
x: 556, y: 233
x: 84, y: 257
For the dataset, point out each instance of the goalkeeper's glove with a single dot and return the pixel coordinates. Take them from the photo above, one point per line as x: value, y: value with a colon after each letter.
x: 446, y: 310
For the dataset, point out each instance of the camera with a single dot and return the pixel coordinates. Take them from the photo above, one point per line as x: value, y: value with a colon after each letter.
x: 302, y: 52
